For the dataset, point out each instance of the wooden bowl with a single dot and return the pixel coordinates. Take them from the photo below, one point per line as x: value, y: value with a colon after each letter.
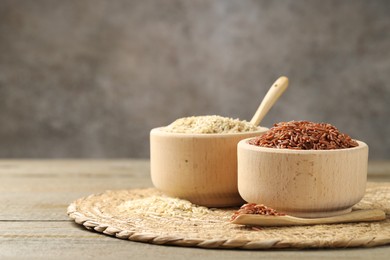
x: 303, y: 183
x: 201, y: 168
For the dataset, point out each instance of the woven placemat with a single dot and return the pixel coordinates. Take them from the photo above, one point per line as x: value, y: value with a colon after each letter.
x: 119, y: 214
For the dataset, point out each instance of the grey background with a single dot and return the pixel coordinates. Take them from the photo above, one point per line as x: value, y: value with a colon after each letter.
x: 89, y: 79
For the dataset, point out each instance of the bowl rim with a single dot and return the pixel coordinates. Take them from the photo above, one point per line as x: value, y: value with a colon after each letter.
x: 245, y: 145
x: 159, y: 131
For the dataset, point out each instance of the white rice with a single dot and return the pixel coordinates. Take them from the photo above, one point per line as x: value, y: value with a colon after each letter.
x: 210, y: 125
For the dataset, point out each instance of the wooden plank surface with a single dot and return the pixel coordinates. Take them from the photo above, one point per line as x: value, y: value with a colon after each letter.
x: 34, y: 225
x: 44, y: 189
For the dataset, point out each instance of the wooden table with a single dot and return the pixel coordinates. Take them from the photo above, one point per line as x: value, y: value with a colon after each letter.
x: 34, y: 196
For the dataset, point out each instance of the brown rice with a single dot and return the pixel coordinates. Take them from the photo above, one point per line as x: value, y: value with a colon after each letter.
x: 253, y: 208
x: 304, y: 135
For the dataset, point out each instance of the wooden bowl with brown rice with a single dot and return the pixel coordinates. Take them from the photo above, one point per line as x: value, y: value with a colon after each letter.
x: 303, y: 169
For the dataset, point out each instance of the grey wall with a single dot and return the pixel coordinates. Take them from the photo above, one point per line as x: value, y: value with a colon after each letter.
x: 91, y: 78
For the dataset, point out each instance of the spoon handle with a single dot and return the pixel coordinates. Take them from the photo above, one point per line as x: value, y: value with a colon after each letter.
x: 269, y: 100
x: 354, y: 216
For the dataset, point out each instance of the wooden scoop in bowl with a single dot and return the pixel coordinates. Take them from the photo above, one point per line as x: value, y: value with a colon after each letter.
x: 286, y: 220
x: 273, y: 94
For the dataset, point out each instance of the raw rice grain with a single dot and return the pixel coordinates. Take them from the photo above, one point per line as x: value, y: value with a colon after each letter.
x: 210, y: 125
x: 304, y: 135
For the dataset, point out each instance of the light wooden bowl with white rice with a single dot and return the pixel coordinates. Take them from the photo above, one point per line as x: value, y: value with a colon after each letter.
x: 202, y: 166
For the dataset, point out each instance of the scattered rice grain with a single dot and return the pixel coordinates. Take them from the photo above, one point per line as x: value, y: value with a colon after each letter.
x: 163, y: 207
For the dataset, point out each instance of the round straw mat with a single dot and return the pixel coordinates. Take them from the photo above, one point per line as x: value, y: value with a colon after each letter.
x: 137, y: 215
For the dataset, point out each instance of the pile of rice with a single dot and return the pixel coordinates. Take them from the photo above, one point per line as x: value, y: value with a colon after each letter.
x: 304, y: 135
x: 210, y: 125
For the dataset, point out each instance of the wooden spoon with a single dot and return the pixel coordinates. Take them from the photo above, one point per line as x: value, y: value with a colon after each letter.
x: 275, y: 221
x: 269, y: 100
